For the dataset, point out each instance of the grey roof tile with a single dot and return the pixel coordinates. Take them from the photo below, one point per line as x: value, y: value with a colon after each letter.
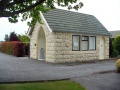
x: 67, y: 21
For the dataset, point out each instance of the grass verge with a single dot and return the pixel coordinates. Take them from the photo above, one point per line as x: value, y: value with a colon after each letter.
x: 56, y: 85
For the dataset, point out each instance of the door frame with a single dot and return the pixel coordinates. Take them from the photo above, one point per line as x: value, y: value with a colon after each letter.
x: 41, y: 34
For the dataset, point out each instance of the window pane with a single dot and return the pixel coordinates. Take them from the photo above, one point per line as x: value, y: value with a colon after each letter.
x: 84, y: 42
x: 84, y: 37
x: 76, y: 43
x: 92, y: 44
x: 84, y: 45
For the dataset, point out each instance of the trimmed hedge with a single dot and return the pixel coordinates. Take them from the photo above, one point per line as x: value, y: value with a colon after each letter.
x: 118, y: 65
x: 15, y: 48
x: 27, y: 48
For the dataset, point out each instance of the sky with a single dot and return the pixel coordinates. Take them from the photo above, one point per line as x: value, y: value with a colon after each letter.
x: 106, y: 11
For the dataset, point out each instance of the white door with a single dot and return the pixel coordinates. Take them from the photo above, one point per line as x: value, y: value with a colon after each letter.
x: 101, y: 49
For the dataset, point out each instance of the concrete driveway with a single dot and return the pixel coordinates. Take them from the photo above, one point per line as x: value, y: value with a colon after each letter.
x: 13, y: 69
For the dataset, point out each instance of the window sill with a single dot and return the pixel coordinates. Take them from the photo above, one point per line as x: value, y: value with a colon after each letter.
x: 75, y: 50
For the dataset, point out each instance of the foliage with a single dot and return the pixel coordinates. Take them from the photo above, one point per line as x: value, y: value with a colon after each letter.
x: 6, y: 37
x: 116, y: 43
x: 30, y: 8
x: 57, y: 85
x: 13, y: 37
x: 19, y: 49
x: 24, y: 38
x: 26, y: 48
x: 110, y: 48
x: 15, y: 48
x: 118, y: 65
x: 115, y: 53
x: 7, y: 47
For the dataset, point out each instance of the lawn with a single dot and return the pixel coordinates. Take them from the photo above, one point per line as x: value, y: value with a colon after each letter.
x: 56, y: 85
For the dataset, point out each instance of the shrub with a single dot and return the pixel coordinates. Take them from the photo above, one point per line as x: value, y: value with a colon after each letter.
x: 24, y: 38
x: 7, y: 47
x: 15, y: 48
x: 115, y: 53
x: 118, y: 65
x: 116, y: 43
x: 26, y: 47
x: 19, y: 49
x: 110, y: 47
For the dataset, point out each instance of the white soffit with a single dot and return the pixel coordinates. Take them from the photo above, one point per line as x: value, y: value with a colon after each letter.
x: 45, y: 22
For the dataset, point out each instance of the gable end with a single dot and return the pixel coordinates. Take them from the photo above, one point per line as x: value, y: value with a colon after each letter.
x: 45, y: 22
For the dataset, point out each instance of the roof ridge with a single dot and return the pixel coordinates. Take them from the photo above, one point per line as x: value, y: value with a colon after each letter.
x: 73, y: 11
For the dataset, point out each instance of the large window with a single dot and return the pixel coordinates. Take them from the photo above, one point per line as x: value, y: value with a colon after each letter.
x: 76, y: 43
x: 84, y: 42
x: 92, y: 45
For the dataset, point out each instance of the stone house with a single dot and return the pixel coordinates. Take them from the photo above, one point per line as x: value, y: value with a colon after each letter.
x: 114, y: 33
x: 67, y: 36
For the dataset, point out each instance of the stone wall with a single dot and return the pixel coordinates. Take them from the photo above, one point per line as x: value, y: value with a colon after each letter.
x: 106, y: 38
x: 34, y: 41
x: 64, y: 53
x: 59, y: 48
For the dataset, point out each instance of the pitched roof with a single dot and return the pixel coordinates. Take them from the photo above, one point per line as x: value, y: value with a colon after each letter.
x: 67, y: 21
x: 115, y: 33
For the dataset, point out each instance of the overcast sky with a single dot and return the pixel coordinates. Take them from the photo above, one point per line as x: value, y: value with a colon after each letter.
x: 106, y: 11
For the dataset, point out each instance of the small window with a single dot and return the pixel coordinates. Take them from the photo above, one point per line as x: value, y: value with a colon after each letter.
x: 92, y: 45
x: 84, y: 43
x: 76, y: 43
x: 84, y: 38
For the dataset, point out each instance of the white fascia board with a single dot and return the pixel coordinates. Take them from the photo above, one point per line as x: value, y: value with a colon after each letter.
x: 45, y: 22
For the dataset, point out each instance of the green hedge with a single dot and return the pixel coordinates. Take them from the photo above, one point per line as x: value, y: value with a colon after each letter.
x: 118, y: 65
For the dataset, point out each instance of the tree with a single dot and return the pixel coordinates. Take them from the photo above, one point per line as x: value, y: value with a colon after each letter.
x: 116, y: 43
x: 24, y: 38
x: 13, y: 37
x: 110, y: 47
x: 6, y: 38
x: 30, y: 8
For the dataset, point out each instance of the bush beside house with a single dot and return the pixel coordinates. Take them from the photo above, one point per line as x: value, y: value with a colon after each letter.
x: 116, y: 43
x: 26, y: 40
x: 17, y: 45
x: 114, y: 46
x: 15, y: 48
x: 26, y: 48
x: 110, y: 48
x: 113, y: 52
x: 118, y: 65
